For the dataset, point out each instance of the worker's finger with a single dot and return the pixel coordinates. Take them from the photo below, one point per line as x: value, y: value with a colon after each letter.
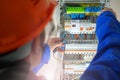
x: 57, y: 39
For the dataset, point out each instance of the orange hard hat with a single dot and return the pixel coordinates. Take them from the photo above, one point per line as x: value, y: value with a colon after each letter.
x: 21, y: 21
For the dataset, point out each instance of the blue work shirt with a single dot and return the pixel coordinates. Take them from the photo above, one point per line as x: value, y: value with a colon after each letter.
x: 106, y: 64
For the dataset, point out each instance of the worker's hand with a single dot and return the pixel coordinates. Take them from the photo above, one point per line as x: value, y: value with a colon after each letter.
x: 54, y: 43
x: 109, y: 9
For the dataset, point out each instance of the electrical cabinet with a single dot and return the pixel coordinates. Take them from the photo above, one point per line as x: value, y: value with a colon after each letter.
x: 78, y: 25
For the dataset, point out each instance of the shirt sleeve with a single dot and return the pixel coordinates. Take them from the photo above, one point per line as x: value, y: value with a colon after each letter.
x: 45, y: 59
x: 106, y: 64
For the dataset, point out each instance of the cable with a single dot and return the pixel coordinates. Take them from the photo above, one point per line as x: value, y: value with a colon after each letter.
x: 59, y: 59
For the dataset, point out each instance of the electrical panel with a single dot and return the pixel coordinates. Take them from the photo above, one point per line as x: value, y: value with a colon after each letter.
x: 78, y: 25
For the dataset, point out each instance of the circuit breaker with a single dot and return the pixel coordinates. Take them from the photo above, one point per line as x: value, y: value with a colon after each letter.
x: 78, y: 25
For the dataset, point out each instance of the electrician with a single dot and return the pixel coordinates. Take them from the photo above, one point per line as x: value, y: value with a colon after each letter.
x: 22, y: 24
x: 106, y: 64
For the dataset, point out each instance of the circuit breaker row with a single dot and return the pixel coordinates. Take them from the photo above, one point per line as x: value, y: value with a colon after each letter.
x: 69, y: 41
x: 78, y: 36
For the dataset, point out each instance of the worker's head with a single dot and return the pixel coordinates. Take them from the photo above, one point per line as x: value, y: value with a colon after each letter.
x: 21, y: 24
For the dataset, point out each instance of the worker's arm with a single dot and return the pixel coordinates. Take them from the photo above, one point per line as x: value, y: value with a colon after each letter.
x: 106, y: 64
x: 45, y: 59
x: 49, y: 47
